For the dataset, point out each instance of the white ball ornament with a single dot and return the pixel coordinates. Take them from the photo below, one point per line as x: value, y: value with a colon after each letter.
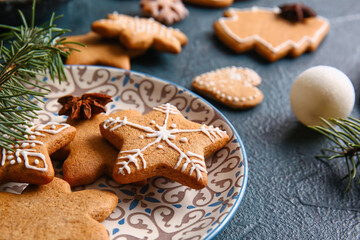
x: 321, y: 91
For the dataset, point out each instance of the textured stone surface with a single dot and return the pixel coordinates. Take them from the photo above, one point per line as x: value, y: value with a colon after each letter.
x: 290, y: 194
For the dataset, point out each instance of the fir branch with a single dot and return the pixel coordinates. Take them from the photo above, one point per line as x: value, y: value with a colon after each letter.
x: 345, y: 134
x: 31, y: 52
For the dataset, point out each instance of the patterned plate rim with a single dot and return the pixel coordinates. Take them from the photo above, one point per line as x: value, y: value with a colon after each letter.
x: 236, y: 205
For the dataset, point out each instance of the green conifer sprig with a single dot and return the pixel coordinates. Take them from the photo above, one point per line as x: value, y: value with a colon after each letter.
x: 345, y: 134
x: 29, y: 51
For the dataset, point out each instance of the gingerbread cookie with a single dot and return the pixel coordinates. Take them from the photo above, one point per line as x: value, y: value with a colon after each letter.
x: 89, y: 155
x: 211, y: 3
x: 232, y: 86
x: 28, y: 160
x: 52, y: 211
x: 140, y: 33
x: 271, y: 35
x: 165, y: 11
x: 164, y: 143
x: 99, y: 51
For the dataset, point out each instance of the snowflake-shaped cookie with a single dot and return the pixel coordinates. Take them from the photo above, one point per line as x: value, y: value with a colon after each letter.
x: 52, y: 211
x: 165, y: 11
x: 28, y: 160
x: 270, y: 35
x: 164, y: 143
x: 140, y: 33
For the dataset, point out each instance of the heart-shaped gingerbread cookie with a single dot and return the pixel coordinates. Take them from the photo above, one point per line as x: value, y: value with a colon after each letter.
x: 232, y: 86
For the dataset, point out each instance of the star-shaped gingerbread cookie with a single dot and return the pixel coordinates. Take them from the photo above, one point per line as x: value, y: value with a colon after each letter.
x: 232, y: 86
x: 163, y: 143
x: 140, y: 33
x: 272, y: 36
x: 90, y: 154
x: 52, y: 211
x: 99, y: 51
x: 29, y: 162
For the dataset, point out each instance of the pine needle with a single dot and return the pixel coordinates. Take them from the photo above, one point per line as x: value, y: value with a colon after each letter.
x: 345, y: 133
x: 29, y: 51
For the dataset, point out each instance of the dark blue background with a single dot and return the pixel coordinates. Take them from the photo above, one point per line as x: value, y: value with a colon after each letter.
x: 290, y: 194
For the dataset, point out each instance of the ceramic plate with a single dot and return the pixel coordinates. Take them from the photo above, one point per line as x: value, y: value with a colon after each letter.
x: 162, y: 209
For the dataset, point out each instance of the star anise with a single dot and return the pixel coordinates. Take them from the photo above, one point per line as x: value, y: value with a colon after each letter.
x: 83, y: 107
x: 296, y: 12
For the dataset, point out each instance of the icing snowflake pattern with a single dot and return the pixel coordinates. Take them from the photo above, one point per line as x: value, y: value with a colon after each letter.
x: 24, y: 149
x: 162, y: 133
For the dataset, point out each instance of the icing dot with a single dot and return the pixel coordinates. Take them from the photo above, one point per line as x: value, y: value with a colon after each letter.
x: 183, y: 140
x: 24, y: 145
x: 17, y: 146
x: 32, y: 137
x: 173, y: 125
x: 229, y: 98
x: 36, y: 162
x: 236, y: 99
x: 141, y: 136
x: 10, y: 157
x: 53, y: 126
x: 152, y: 122
x: 160, y: 146
x: 9, y: 152
x: 12, y: 162
x: 32, y: 145
x: 235, y: 76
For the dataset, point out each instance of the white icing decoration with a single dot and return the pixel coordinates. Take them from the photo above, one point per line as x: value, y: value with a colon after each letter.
x: 24, y: 148
x: 141, y: 25
x: 252, y: 38
x: 161, y: 133
x: 183, y: 140
x: 225, y: 77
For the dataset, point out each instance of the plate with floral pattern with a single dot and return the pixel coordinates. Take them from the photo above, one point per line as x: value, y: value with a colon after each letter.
x: 162, y: 209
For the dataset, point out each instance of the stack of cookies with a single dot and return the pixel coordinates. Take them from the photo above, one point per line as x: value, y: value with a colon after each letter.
x: 125, y: 145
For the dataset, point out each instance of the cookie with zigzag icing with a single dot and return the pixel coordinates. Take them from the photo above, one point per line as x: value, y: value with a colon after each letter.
x: 29, y: 160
